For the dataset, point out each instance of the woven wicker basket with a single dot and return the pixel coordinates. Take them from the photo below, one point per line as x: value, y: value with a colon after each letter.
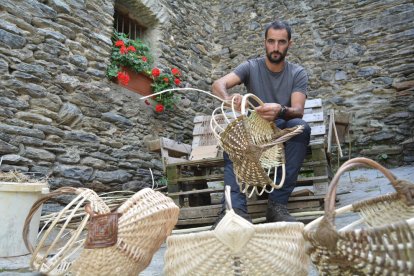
x: 237, y: 247
x: 118, y: 243
x: 253, y: 144
x: 381, y: 242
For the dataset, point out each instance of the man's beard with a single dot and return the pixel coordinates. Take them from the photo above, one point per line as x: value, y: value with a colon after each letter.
x: 279, y: 59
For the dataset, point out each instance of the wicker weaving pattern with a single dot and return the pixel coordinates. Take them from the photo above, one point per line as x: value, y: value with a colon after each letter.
x: 146, y: 219
x: 237, y: 247
x: 255, y: 146
x: 380, y: 243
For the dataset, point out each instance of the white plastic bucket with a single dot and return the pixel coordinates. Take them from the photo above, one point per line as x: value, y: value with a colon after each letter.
x: 16, y: 199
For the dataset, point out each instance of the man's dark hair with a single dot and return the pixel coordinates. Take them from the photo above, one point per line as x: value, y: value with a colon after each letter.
x: 279, y: 25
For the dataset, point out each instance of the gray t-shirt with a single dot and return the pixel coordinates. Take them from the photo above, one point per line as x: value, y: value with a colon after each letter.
x: 269, y: 86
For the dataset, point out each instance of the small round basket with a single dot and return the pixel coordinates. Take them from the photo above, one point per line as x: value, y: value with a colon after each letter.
x: 113, y: 243
x: 380, y: 242
x: 237, y: 247
x: 253, y: 144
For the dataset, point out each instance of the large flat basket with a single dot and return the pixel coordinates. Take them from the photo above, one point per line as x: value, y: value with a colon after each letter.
x: 237, y: 247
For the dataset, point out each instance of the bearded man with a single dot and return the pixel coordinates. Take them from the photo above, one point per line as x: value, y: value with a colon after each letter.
x: 282, y: 86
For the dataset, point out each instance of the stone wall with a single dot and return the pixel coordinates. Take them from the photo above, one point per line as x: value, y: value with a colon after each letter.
x: 61, y: 117
x: 59, y: 114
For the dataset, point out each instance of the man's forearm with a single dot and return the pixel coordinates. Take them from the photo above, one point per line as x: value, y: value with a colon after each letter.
x: 220, y: 89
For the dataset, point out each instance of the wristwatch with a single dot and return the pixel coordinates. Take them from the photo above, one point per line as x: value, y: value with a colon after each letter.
x: 282, y: 112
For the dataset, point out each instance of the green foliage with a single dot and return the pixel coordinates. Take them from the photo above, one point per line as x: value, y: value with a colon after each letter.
x: 163, y: 181
x: 130, y: 53
x: 135, y: 55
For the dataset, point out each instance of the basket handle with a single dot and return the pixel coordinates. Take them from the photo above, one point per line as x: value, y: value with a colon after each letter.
x: 245, y: 101
x: 403, y: 188
x: 36, y: 206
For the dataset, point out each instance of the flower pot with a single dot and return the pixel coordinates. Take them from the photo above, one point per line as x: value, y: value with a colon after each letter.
x: 138, y: 82
x: 16, y: 200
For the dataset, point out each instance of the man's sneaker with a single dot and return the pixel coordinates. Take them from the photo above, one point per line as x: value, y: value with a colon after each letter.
x: 239, y: 212
x: 277, y: 212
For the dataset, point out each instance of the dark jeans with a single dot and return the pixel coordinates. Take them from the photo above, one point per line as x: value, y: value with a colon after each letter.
x: 295, y: 152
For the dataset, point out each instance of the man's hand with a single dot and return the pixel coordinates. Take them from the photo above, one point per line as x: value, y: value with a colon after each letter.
x: 237, y: 100
x: 269, y: 111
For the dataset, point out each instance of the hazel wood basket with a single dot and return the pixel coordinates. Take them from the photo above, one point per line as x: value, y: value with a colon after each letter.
x: 381, y: 242
x: 253, y: 144
x: 237, y: 247
x: 117, y: 243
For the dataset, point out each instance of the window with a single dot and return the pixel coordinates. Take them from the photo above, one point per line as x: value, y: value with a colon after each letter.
x: 124, y: 24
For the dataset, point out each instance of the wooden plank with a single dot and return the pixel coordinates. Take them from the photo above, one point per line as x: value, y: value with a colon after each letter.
x: 309, y: 165
x: 318, y: 130
x: 312, y: 178
x: 203, y: 152
x: 313, y: 117
x: 318, y: 141
x: 210, y: 190
x: 320, y: 188
x: 201, y: 118
x: 204, y: 140
x: 184, y: 222
x: 310, y: 103
x: 175, y: 146
x: 213, y: 162
x: 300, y: 193
x: 204, y: 129
x: 206, y: 118
x: 192, y: 214
x: 173, y: 160
x: 211, y: 177
x: 200, y: 211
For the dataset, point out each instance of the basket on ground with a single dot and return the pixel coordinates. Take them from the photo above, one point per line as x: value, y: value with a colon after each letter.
x: 381, y: 242
x: 237, y: 247
x: 117, y: 243
x: 253, y: 144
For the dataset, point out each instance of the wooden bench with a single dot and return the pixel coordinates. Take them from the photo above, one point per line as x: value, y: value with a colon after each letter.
x: 195, y: 173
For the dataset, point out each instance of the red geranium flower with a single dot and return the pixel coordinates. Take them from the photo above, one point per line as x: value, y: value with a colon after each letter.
x: 144, y: 59
x: 175, y: 72
x: 119, y: 43
x: 159, y: 108
x: 166, y: 80
x: 123, y: 78
x: 156, y: 72
x: 177, y: 81
x: 131, y: 48
x: 123, y: 50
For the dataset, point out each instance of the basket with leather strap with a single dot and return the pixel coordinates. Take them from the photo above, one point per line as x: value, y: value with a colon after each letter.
x: 122, y: 242
x: 237, y: 247
x: 254, y: 144
x: 381, y: 242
